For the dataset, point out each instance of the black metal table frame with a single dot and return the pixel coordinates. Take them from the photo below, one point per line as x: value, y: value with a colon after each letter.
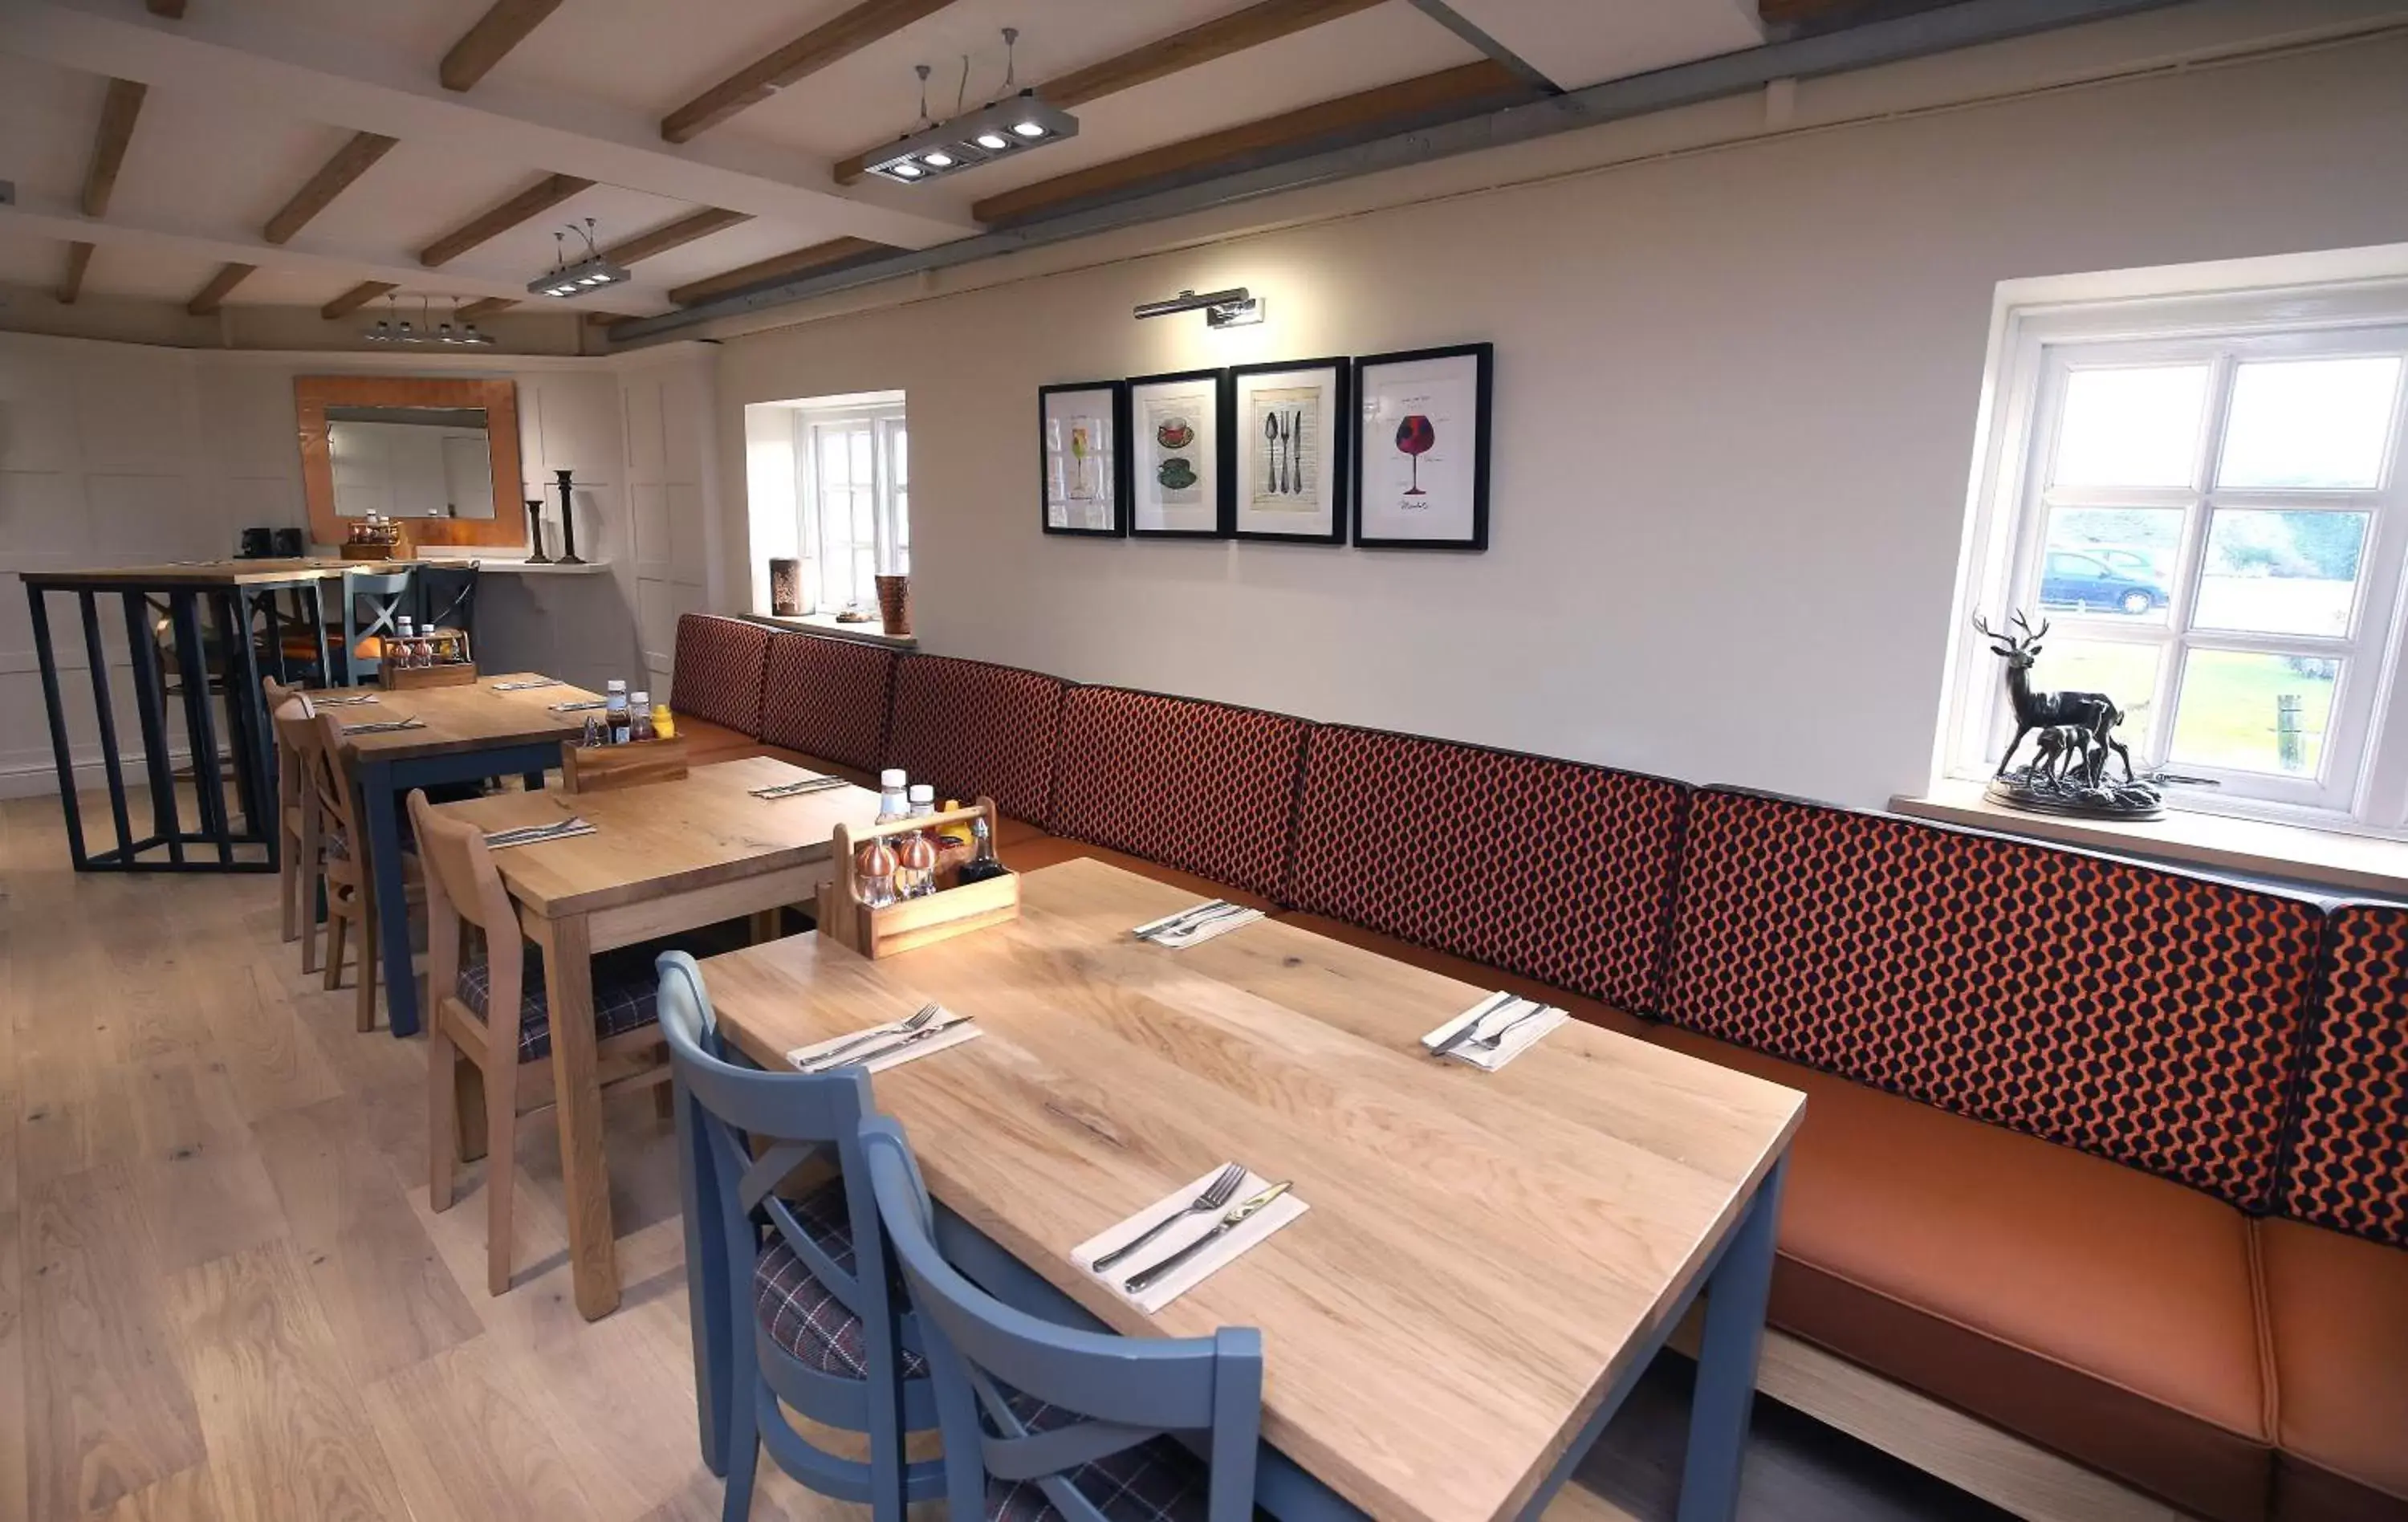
x: 251, y: 739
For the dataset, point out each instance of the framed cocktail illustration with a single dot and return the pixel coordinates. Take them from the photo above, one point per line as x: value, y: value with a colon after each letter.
x: 1294, y: 441
x: 1080, y: 459
x: 1179, y: 479
x: 1421, y: 479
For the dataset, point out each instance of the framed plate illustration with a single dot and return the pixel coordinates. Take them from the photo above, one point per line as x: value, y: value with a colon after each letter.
x: 1422, y: 458
x: 1294, y: 437
x: 1179, y: 477
x: 1079, y: 458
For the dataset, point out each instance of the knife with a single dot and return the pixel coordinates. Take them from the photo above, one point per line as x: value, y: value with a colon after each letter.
x: 1494, y: 1004
x: 1146, y: 1278
x: 855, y: 1059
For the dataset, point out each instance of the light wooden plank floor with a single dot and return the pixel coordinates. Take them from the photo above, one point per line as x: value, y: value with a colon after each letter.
x: 222, y: 1295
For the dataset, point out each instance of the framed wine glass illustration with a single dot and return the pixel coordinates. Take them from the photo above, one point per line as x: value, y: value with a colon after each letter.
x: 1294, y: 437
x: 1421, y: 452
x: 1080, y: 457
x: 1179, y: 474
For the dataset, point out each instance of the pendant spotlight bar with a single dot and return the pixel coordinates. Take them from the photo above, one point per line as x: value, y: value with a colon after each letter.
x: 993, y: 131
x: 591, y: 273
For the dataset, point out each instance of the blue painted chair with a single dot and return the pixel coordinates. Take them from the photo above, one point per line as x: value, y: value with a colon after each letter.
x: 373, y: 605
x: 1022, y: 1402
x: 781, y: 1306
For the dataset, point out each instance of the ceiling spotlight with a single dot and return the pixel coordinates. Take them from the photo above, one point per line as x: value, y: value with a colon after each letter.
x: 994, y: 141
x: 938, y: 160
x: 1233, y: 308
x: 566, y: 279
x: 1031, y: 128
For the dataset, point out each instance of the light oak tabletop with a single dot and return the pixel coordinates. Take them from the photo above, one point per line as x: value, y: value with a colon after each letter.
x: 464, y: 718
x: 666, y: 838
x: 1483, y: 1253
x: 212, y: 573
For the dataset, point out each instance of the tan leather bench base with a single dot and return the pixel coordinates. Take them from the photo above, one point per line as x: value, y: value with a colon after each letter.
x: 2339, y: 1310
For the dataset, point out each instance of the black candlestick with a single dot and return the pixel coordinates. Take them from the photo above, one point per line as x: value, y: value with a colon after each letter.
x: 534, y: 532
x: 568, y: 520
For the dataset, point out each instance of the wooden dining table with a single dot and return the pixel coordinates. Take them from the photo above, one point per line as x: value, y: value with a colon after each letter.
x: 664, y: 857
x: 1488, y: 1261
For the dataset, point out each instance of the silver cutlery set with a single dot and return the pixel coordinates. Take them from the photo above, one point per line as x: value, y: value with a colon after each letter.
x: 1214, y: 1195
x: 385, y: 726
x: 342, y: 702
x: 798, y: 789
x: 530, y: 834
x: 1496, y: 1017
x: 577, y: 707
x: 526, y: 686
x: 1175, y: 926
x: 1280, y: 427
x: 885, y: 1040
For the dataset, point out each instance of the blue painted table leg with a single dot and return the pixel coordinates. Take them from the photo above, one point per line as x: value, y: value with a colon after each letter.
x: 378, y: 801
x: 1726, y: 1355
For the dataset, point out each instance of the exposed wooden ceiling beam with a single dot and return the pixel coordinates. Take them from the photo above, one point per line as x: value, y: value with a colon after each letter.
x: 172, y: 10
x: 1263, y: 22
x: 353, y: 299
x: 118, y: 113
x: 213, y: 294
x: 673, y: 235
x: 79, y: 260
x: 534, y: 201
x: 771, y: 268
x: 487, y: 306
x: 488, y: 42
x: 815, y: 50
x: 1471, y: 86
x: 350, y: 162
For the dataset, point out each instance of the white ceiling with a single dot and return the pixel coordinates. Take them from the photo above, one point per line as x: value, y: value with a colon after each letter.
x: 248, y: 97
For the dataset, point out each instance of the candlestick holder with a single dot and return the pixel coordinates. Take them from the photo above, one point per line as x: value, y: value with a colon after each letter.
x: 567, y: 520
x: 534, y: 532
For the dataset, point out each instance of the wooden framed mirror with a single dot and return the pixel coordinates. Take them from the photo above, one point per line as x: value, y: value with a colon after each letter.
x: 440, y: 456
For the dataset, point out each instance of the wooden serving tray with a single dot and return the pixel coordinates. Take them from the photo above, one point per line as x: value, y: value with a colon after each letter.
x: 913, y: 922
x: 592, y: 769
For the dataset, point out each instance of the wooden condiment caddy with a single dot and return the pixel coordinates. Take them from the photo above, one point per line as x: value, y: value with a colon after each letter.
x: 398, y: 677
x: 901, y: 926
x: 590, y: 769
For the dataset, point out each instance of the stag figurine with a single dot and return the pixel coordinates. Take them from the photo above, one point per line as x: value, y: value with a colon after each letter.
x: 2092, y: 716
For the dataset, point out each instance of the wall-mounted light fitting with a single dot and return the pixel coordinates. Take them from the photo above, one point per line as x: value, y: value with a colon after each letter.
x: 1010, y: 124
x: 1233, y: 308
x: 591, y: 273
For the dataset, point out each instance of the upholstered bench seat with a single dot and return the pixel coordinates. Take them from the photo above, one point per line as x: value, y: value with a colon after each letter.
x: 800, y: 1314
x: 2095, y: 1309
x: 625, y: 998
x: 2337, y: 1307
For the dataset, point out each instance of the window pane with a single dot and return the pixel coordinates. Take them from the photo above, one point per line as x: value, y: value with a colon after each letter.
x: 2253, y: 712
x: 2127, y: 673
x: 863, y: 461
x: 2281, y: 572
x: 864, y: 589
x: 902, y: 455
x: 2130, y: 427
x: 2310, y: 422
x: 2111, y: 560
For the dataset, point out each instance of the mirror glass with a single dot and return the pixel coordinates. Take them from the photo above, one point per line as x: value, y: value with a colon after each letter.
x: 410, y: 462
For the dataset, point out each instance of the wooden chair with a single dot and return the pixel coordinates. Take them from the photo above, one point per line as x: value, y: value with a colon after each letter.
x: 386, y: 595
x: 491, y: 1011
x: 340, y: 843
x: 292, y: 868
x: 1041, y: 1419
x: 782, y: 1314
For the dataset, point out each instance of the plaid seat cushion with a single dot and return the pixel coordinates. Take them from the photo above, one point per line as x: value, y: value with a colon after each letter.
x: 2349, y: 1150
x: 1557, y: 871
x: 828, y: 698
x: 626, y: 997
x: 802, y: 1314
x: 1158, y: 1481
x: 722, y: 665
x: 1203, y: 787
x: 968, y: 728
x: 2131, y: 1012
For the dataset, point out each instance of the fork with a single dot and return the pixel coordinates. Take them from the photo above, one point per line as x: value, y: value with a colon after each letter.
x: 1183, y: 922
x: 883, y: 1033
x: 1496, y: 1038
x: 1217, y: 1194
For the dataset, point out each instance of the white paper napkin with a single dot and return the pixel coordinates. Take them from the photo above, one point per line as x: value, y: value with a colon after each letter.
x: 1232, y: 1244
x: 1494, y: 1012
x: 1218, y: 925
x: 502, y: 839
x: 957, y: 1030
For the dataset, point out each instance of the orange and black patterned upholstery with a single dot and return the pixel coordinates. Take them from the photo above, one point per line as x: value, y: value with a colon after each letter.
x: 2145, y: 1016
x: 2349, y: 1153
x: 828, y: 698
x: 721, y: 667
x: 1204, y: 787
x: 1557, y: 871
x: 967, y: 727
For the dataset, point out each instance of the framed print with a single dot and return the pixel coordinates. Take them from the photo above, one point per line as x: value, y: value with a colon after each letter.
x: 1179, y: 479
x: 1421, y: 479
x: 1080, y: 457
x: 1293, y: 440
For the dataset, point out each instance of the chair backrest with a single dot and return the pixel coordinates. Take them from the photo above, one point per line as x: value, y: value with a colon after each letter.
x: 290, y: 717
x: 971, y: 728
x: 324, y: 768
x: 1029, y: 1401
x: 463, y: 888
x: 387, y: 596
x: 2347, y: 1163
x: 828, y: 698
x: 722, y: 667
x: 447, y: 598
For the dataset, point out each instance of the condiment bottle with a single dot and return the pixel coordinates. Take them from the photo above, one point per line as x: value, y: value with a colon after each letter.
x: 664, y: 722
x: 915, y: 869
x: 982, y: 864
x: 873, y: 873
x: 593, y: 739
x: 894, y: 799
x: 614, y: 710
x: 400, y: 649
x: 640, y: 716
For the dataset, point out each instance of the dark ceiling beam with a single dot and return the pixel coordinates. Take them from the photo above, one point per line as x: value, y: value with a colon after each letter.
x: 78, y: 261
x: 1449, y: 91
x: 1266, y: 21
x: 777, y: 265
x: 534, y: 201
x: 357, y: 296
x: 487, y: 43
x: 350, y: 161
x: 815, y: 50
x: 673, y: 235
x: 212, y: 296
x: 119, y: 110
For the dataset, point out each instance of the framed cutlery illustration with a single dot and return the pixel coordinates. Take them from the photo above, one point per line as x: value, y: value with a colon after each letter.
x: 1294, y: 441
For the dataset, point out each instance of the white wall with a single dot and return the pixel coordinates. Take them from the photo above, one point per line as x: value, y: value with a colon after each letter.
x: 126, y: 454
x: 1735, y: 407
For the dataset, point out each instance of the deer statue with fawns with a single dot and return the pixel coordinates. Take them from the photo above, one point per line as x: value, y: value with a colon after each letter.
x: 2093, y: 716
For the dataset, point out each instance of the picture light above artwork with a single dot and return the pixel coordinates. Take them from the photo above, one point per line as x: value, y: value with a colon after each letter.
x: 1235, y: 306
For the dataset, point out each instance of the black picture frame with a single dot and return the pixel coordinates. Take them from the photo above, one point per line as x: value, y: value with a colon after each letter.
x: 1340, y: 450
x: 1223, y: 501
x: 1117, y: 394
x: 1367, y: 389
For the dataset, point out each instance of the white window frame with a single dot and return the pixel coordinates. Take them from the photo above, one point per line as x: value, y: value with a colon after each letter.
x: 891, y: 550
x: 2362, y: 778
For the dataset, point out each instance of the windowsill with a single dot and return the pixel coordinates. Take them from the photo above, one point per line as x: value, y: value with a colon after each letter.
x: 2258, y: 847
x: 869, y: 634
